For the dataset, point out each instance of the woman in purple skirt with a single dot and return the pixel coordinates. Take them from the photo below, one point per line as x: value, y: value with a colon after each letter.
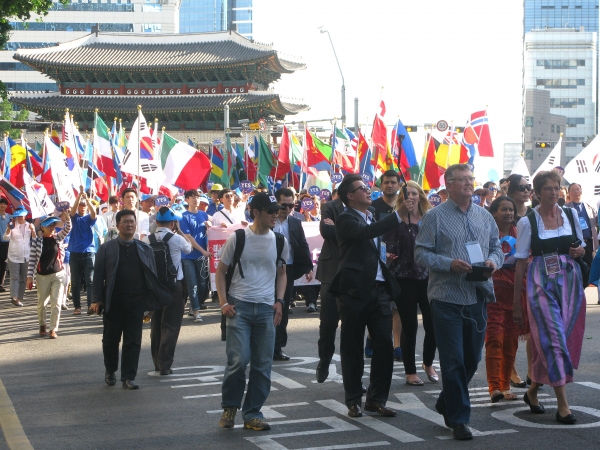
x: 555, y: 297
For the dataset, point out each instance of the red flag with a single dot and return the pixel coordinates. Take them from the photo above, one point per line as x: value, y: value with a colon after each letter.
x: 382, y: 109
x: 432, y: 173
x: 100, y: 189
x: 380, y: 142
x: 283, y: 166
x: 479, y: 122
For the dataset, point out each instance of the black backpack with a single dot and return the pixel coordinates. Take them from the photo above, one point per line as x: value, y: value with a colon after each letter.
x: 165, y: 269
x: 240, y: 241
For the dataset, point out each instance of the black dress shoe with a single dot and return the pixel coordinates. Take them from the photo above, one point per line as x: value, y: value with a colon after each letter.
x: 280, y: 356
x: 569, y: 419
x: 535, y: 409
x: 442, y: 410
x: 130, y: 384
x: 380, y: 409
x: 461, y: 432
x: 166, y: 372
x: 354, y: 411
x: 364, y: 389
x: 110, y: 378
x: 322, y: 371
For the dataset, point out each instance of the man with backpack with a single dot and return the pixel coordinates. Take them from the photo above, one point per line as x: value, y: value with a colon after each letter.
x: 253, y: 259
x: 168, y: 243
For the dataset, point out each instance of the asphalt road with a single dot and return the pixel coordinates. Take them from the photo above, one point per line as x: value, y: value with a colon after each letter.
x: 59, y: 396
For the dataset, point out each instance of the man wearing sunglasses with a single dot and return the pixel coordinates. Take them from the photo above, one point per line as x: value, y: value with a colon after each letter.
x: 364, y: 288
x: 298, y: 264
x: 228, y: 215
x: 492, y: 192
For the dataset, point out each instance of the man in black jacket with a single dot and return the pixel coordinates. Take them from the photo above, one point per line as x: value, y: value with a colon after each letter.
x: 125, y: 286
x: 329, y: 261
x: 298, y: 264
x: 364, y: 288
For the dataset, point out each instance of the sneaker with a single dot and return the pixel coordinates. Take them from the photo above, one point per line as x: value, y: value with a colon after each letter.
x: 227, y: 419
x: 311, y: 308
x: 197, y: 317
x: 16, y: 302
x: 368, y: 349
x: 398, y: 354
x: 257, y: 425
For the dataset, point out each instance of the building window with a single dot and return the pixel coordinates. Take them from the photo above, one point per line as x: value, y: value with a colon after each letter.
x: 552, y: 128
x: 558, y: 128
x: 560, y: 83
x: 14, y: 66
x: 574, y: 121
x: 528, y: 154
x: 528, y: 121
x: 65, y: 26
x: 566, y: 102
x: 31, y: 86
x: 560, y: 63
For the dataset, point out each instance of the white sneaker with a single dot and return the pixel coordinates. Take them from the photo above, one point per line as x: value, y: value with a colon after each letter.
x: 197, y: 317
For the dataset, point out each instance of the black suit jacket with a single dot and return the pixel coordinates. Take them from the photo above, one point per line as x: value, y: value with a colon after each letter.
x: 329, y: 259
x: 359, y: 256
x: 302, y: 257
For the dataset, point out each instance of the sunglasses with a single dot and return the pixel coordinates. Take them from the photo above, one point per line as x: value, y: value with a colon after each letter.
x: 493, y: 189
x: 524, y: 187
x: 363, y: 187
x: 288, y: 205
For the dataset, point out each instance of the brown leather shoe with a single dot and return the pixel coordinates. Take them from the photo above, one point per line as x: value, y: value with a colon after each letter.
x: 354, y: 411
x: 42, y: 330
x: 16, y: 302
x: 53, y: 334
x: 380, y: 409
x: 77, y: 312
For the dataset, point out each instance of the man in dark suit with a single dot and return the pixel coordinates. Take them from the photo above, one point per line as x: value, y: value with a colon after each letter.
x: 364, y: 288
x: 298, y: 264
x: 329, y: 261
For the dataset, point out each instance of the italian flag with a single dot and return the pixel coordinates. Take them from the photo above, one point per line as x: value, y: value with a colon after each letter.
x: 102, y: 148
x: 183, y: 165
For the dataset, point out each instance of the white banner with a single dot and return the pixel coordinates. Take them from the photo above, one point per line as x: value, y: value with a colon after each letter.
x: 39, y: 202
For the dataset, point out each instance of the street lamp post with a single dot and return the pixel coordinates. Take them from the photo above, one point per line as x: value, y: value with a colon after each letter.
x: 343, y: 84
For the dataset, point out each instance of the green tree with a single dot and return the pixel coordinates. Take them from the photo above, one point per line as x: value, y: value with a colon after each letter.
x: 11, y: 10
x: 7, y: 113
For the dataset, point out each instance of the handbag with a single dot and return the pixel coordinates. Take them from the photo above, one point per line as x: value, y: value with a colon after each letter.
x: 585, y: 270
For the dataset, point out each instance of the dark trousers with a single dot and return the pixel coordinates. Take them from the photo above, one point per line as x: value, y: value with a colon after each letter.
x: 329, y: 318
x: 460, y: 333
x: 375, y: 314
x: 3, y: 261
x: 310, y: 293
x: 414, y: 293
x: 589, y: 249
x: 281, y: 329
x: 164, y: 330
x: 82, y: 267
x: 124, y: 318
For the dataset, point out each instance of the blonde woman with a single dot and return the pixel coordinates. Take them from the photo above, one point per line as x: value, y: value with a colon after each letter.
x: 413, y: 281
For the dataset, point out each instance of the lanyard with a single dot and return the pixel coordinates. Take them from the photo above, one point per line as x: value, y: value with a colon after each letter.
x: 466, y: 216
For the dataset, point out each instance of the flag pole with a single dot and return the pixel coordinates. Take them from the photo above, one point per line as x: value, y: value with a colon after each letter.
x: 139, y: 182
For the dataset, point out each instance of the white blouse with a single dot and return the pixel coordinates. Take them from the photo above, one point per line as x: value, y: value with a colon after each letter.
x: 524, y: 231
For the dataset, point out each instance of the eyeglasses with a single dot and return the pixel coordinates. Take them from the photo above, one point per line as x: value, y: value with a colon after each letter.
x: 464, y: 180
x: 287, y: 205
x: 524, y: 187
x: 363, y: 187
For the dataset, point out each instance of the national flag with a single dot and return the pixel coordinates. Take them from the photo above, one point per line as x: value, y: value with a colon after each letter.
x: 381, y: 146
x: 40, y: 204
x: 316, y: 156
x: 382, y: 109
x: 283, y: 166
x: 405, y: 151
x: 54, y: 137
x: 266, y: 162
x: 46, y: 178
x: 469, y: 134
x: 139, y: 157
x: 102, y: 148
x: 216, y: 172
x: 479, y: 122
x: 430, y: 170
x: 6, y: 159
x: 296, y: 154
x: 520, y: 168
x: 365, y: 157
x: 57, y: 161
x: 34, y: 161
x: 343, y: 154
x: 183, y: 165
x: 14, y: 196
x: 585, y: 170
x: 17, y: 155
x: 450, y: 151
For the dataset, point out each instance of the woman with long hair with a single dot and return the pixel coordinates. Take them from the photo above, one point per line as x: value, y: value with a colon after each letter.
x: 502, y: 333
x: 555, y: 297
x: 413, y: 282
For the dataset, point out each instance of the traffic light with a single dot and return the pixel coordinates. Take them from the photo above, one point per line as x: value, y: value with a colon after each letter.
x: 459, y: 129
x: 411, y: 128
x: 539, y: 144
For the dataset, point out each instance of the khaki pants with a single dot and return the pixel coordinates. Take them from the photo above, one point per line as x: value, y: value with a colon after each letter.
x: 50, y: 286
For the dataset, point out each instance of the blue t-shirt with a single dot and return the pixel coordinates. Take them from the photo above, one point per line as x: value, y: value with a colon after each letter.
x: 212, y: 208
x: 3, y: 224
x: 65, y: 242
x: 193, y: 224
x: 82, y: 236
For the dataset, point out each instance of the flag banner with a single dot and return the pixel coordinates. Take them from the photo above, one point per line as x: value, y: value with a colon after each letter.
x: 404, y: 152
x: 140, y: 160
x: 585, y: 170
x: 217, y: 237
x: 60, y: 174
x: 521, y: 169
x: 103, y: 148
x: 344, y: 155
x: 40, y: 204
x: 13, y: 194
x: 183, y: 165
x: 479, y: 122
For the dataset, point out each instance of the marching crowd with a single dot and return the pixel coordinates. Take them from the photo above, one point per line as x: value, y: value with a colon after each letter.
x: 510, y: 268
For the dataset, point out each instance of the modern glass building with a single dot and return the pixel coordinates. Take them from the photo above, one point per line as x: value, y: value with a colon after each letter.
x: 199, y: 16
x: 541, y: 14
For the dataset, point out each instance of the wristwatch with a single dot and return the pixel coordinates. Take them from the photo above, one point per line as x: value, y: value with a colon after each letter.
x: 280, y: 300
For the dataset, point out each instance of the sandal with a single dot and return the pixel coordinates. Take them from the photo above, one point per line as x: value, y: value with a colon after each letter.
x: 509, y: 395
x: 496, y: 396
x: 77, y: 312
x: 417, y: 382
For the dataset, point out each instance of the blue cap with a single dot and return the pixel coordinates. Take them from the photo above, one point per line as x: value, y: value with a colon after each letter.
x: 146, y: 197
x: 169, y: 216
x: 185, y: 203
x: 203, y: 199
x: 20, y: 212
x: 49, y: 220
x: 178, y: 208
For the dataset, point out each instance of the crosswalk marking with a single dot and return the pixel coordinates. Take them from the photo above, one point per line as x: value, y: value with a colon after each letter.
x: 268, y: 411
x: 285, y: 381
x: 589, y: 384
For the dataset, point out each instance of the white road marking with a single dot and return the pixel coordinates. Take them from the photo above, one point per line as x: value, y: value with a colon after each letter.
x: 268, y: 411
x: 589, y: 384
x: 507, y: 415
x: 371, y: 422
x: 285, y: 381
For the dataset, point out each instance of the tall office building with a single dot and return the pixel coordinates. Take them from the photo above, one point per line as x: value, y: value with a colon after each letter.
x: 560, y: 54
x: 199, y: 16
x: 76, y: 19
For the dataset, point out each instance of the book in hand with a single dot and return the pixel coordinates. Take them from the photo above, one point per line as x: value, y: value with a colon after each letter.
x: 478, y: 273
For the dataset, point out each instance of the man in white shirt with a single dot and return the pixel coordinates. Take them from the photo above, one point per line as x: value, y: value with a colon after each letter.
x: 109, y: 217
x: 228, y: 215
x: 129, y: 197
x: 166, y: 322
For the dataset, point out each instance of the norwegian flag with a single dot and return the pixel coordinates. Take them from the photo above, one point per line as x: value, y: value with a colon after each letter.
x: 479, y: 123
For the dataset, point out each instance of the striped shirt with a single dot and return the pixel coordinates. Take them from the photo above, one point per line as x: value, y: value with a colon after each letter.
x: 443, y: 234
x: 36, y: 248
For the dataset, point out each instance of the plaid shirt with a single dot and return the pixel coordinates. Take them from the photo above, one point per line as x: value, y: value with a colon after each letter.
x: 443, y: 235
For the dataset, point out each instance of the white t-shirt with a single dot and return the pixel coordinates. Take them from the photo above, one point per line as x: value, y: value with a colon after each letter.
x: 224, y: 216
x: 177, y: 245
x: 111, y: 224
x: 258, y: 263
x: 143, y: 224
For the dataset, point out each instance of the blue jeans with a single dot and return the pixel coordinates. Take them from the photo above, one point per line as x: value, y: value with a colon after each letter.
x: 81, y: 264
x: 459, y: 334
x: 196, y: 280
x: 250, y: 338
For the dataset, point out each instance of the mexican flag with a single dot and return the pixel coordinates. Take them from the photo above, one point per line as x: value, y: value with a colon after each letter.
x: 102, y: 148
x: 183, y: 166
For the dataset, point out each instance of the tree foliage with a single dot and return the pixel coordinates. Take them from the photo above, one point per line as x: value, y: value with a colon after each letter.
x: 11, y: 10
x: 7, y: 113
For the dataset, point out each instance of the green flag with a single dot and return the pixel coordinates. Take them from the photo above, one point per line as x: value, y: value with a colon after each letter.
x: 266, y: 162
x: 226, y: 176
